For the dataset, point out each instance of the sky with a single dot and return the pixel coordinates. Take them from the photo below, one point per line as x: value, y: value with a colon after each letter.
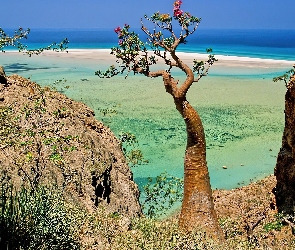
x: 92, y: 14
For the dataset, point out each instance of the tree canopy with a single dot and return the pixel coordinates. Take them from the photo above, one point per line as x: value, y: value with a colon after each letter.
x: 14, y: 40
x: 136, y: 55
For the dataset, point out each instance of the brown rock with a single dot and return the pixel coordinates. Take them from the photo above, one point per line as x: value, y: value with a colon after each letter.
x: 285, y: 167
x: 52, y: 140
x: 2, y: 76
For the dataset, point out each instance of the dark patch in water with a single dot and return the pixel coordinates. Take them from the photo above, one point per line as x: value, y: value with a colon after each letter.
x: 15, y: 68
x: 141, y: 181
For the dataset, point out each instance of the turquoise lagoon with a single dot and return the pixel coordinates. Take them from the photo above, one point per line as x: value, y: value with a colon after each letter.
x: 242, y: 108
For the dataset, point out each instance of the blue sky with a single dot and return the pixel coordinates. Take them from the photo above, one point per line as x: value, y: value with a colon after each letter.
x: 224, y: 14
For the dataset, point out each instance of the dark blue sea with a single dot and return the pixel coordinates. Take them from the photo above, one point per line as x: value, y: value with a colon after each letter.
x: 270, y: 44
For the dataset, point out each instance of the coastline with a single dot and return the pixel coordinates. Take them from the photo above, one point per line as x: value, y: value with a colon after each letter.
x: 229, y: 60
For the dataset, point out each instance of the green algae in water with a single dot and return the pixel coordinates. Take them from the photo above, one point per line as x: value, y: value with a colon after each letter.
x: 242, y: 115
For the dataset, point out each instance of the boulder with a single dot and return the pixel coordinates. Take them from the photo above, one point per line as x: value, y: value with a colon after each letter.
x: 2, y: 76
x: 49, y: 139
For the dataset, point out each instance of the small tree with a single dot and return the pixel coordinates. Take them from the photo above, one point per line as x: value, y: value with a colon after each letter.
x: 134, y: 55
x: 19, y: 34
x: 15, y: 41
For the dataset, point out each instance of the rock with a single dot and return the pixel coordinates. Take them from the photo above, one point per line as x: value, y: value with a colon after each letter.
x: 53, y: 140
x: 285, y: 167
x: 2, y: 76
x: 125, y: 223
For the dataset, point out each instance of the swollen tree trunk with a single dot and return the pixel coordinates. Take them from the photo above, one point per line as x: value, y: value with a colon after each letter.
x: 197, y: 210
x: 285, y: 167
x: 197, y: 206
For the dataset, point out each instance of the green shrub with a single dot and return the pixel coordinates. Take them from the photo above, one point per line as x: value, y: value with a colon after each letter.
x: 130, y: 148
x: 276, y: 225
x: 160, y: 194
x: 35, y: 219
x: 151, y: 234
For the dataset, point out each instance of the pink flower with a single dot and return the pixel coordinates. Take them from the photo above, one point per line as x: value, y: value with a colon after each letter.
x: 177, y: 3
x: 178, y: 13
x: 120, y: 42
x: 118, y: 29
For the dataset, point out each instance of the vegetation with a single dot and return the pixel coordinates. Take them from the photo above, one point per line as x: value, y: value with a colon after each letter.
x: 131, y: 149
x: 285, y: 77
x: 7, y: 40
x: 36, y: 216
x: 38, y: 148
x: 137, y: 56
x: 161, y: 194
x: 28, y: 215
x: 35, y: 219
x: 43, y: 219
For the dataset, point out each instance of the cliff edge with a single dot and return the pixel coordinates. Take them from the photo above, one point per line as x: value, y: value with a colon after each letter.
x: 49, y: 139
x: 285, y: 167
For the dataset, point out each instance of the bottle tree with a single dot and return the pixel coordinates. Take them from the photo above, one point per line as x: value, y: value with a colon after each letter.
x: 134, y: 55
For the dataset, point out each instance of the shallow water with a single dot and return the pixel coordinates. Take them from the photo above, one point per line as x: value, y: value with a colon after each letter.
x: 242, y: 111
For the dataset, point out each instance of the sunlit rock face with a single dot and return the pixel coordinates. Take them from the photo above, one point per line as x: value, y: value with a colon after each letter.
x: 285, y: 167
x: 48, y: 139
x: 2, y: 76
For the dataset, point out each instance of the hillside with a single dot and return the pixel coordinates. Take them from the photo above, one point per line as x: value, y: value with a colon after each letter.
x: 47, y: 139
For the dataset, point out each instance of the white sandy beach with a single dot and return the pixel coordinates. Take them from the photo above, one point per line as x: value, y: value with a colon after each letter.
x: 103, y: 55
x: 236, y: 61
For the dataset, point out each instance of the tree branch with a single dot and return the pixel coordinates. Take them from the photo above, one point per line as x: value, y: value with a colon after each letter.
x: 189, y: 75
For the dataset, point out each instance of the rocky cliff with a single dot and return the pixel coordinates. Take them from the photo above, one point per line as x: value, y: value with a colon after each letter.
x: 49, y: 139
x: 285, y: 167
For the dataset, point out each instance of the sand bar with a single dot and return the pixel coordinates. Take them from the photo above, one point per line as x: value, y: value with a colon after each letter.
x: 104, y: 56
